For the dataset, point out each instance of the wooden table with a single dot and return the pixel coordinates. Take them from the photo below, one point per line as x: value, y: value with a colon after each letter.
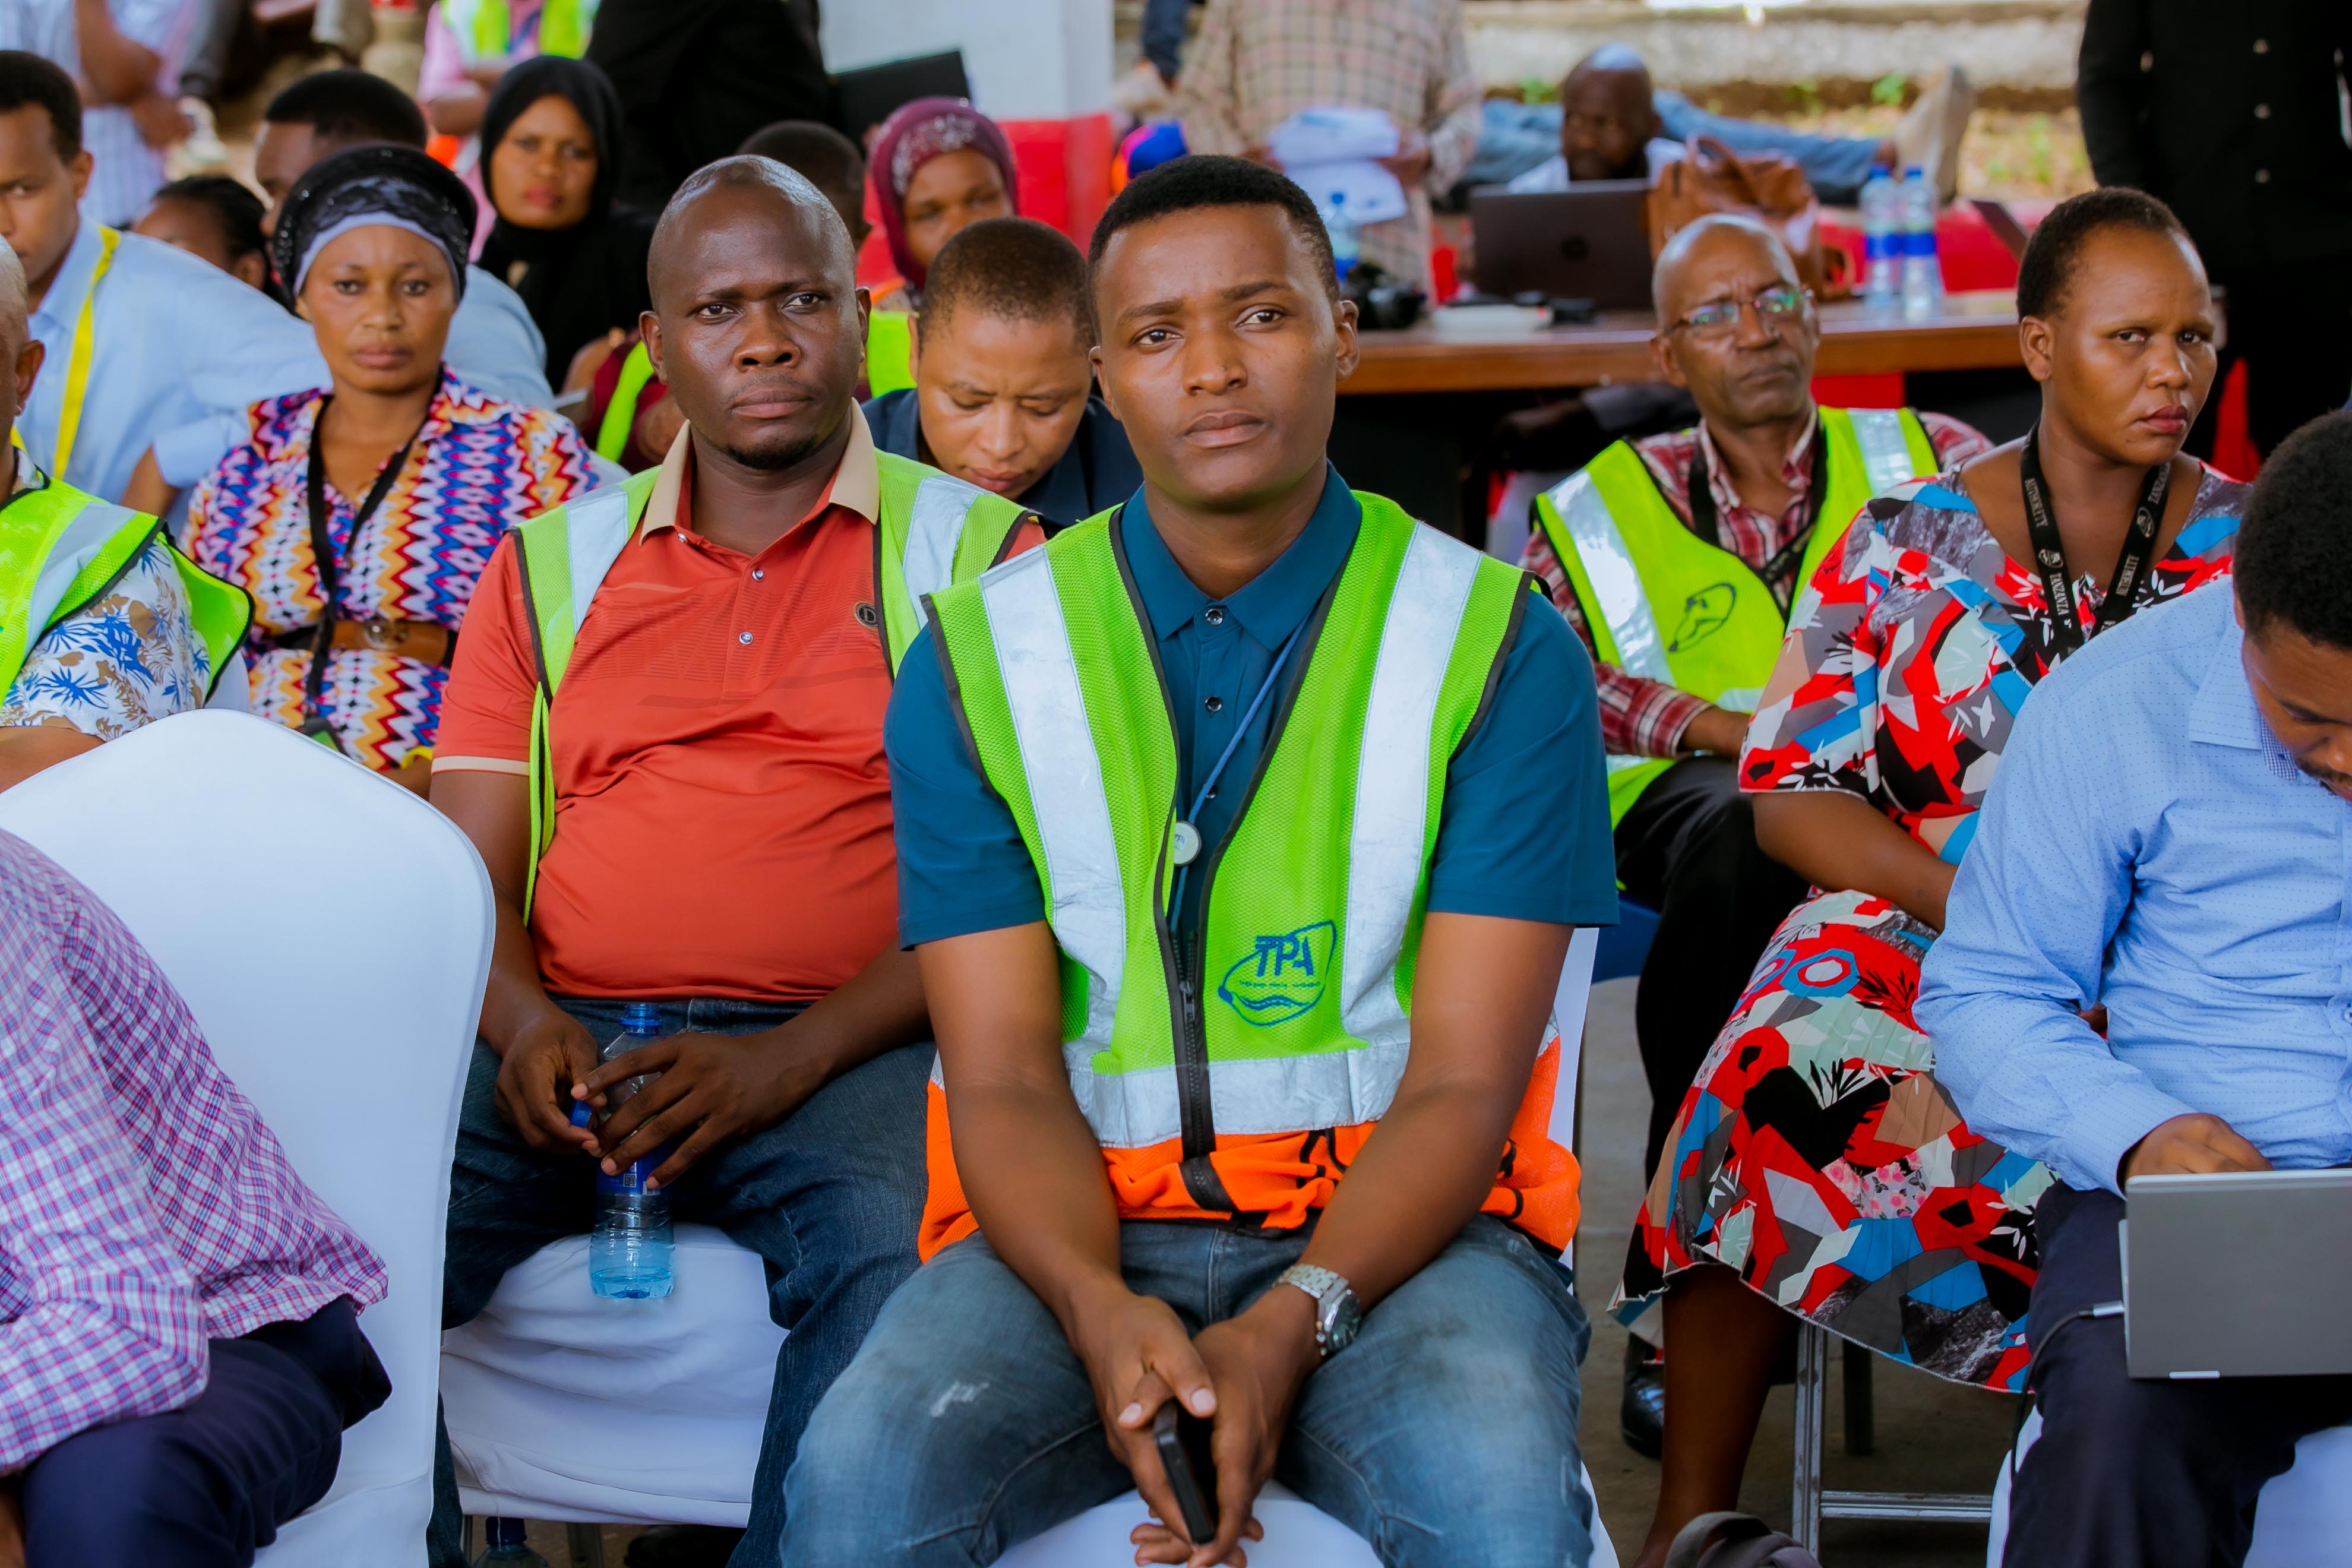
x: 1974, y: 331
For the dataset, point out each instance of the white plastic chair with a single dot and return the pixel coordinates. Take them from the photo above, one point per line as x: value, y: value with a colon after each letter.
x: 551, y: 1417
x: 331, y: 934
x: 2302, y: 1517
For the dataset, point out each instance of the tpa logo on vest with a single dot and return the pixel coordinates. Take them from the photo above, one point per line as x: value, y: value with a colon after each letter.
x: 1704, y: 615
x: 1281, y: 977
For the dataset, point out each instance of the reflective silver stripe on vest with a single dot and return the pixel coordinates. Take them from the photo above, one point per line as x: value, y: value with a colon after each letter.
x: 934, y: 527
x: 1254, y: 1097
x: 93, y: 528
x: 1886, y: 451
x: 1616, y: 585
x: 595, y: 527
x: 1388, y: 832
x: 1066, y: 797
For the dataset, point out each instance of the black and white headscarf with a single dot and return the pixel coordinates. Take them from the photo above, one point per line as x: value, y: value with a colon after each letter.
x: 380, y: 184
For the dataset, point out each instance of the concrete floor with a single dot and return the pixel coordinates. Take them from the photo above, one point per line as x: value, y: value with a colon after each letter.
x: 1932, y: 1436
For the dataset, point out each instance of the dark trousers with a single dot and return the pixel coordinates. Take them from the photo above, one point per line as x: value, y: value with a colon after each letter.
x: 2293, y: 326
x: 830, y: 1198
x: 1687, y: 849
x: 2139, y: 1473
x: 207, y: 1485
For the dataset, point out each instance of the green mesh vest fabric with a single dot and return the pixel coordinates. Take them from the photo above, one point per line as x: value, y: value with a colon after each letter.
x: 1665, y: 604
x: 1294, y: 1001
x: 61, y: 549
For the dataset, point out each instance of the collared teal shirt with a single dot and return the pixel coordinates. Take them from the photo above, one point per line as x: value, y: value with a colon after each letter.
x: 1524, y: 834
x: 2152, y: 847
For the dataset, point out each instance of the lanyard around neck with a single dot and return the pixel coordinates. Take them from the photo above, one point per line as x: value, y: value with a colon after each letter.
x: 2050, y: 550
x: 1707, y: 523
x: 77, y: 387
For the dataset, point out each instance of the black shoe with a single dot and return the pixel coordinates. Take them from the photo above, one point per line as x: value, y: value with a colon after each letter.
x: 683, y: 1546
x: 1642, y: 1413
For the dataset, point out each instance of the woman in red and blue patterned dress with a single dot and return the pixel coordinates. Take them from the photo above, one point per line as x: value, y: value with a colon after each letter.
x: 1816, y: 1170
x: 417, y: 476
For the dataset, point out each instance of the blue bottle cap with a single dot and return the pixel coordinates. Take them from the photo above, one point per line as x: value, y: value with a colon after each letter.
x: 641, y: 1017
x: 1913, y: 172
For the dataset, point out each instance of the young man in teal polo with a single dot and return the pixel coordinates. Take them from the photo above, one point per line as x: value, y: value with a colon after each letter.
x: 1241, y: 838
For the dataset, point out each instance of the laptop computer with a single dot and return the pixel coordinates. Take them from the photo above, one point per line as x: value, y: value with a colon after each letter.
x: 1590, y: 241
x: 2242, y: 1274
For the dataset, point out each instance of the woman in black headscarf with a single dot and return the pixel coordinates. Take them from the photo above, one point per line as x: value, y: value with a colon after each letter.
x: 550, y: 158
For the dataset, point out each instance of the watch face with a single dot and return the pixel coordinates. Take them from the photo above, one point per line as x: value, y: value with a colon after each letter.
x: 1341, y: 1319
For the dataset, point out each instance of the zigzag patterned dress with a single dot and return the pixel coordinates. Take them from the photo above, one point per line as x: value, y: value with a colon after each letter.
x: 1815, y: 1152
x: 480, y: 466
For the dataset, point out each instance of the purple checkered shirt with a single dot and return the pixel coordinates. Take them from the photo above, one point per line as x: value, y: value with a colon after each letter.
x: 145, y: 1209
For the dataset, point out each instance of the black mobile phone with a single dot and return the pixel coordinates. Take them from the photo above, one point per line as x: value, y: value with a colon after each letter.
x: 1182, y: 1440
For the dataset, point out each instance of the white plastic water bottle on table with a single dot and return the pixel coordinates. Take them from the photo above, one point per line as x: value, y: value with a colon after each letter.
x: 629, y: 1248
x: 1882, y: 242
x: 1923, y: 271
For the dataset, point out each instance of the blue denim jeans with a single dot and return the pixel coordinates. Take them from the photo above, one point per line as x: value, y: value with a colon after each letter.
x: 1446, y: 1434
x: 830, y: 1198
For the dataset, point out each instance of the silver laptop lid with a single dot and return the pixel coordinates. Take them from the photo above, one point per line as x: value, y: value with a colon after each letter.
x: 2244, y: 1274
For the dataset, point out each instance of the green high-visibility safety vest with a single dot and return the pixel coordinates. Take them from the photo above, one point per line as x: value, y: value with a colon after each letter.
x: 1291, y: 1010
x: 1665, y: 604
x: 934, y: 531
x: 485, y: 28
x: 889, y: 367
x: 890, y: 351
x: 61, y: 550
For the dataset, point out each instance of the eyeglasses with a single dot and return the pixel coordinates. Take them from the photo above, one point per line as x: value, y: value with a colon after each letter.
x: 1719, y: 318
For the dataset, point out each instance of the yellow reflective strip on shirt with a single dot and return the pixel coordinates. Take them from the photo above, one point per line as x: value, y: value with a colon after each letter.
x: 77, y: 362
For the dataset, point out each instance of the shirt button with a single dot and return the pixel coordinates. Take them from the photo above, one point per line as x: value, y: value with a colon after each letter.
x: 2261, y: 112
x: 743, y: 637
x: 759, y: 573
x: 2261, y: 176
x: 1216, y: 615
x: 1214, y: 704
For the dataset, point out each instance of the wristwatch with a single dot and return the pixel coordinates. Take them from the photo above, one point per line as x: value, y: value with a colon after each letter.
x: 1337, y: 1316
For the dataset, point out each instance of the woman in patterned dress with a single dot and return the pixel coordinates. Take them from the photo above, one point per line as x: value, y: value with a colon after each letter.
x: 1816, y: 1169
x: 415, y: 474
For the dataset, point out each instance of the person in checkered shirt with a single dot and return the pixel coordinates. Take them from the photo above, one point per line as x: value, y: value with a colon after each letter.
x: 1754, y: 464
x: 180, y: 1348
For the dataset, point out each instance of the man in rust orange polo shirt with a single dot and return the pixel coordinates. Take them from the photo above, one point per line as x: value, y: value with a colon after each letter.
x: 722, y: 844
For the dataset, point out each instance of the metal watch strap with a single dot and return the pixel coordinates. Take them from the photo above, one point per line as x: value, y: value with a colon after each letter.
x: 1317, y: 1284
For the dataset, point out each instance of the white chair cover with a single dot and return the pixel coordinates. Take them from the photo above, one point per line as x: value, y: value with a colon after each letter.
x: 331, y: 934
x: 565, y: 1407
x: 2302, y: 1517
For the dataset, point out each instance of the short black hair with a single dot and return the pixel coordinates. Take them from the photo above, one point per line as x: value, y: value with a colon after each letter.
x: 1209, y: 180
x: 2293, y: 555
x: 350, y: 107
x: 828, y: 160
x: 27, y: 79
x: 2055, y: 251
x: 235, y: 210
x: 1011, y: 267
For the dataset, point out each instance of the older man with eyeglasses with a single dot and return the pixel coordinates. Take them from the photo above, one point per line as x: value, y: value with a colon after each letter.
x: 1676, y: 558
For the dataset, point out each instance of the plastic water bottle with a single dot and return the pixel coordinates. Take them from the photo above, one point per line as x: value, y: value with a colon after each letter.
x: 506, y: 1547
x: 1923, y: 273
x: 1345, y: 244
x: 1882, y: 240
x: 628, y: 1250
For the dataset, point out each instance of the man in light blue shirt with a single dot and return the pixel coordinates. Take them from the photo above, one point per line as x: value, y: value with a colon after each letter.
x: 164, y: 339
x: 2172, y: 840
